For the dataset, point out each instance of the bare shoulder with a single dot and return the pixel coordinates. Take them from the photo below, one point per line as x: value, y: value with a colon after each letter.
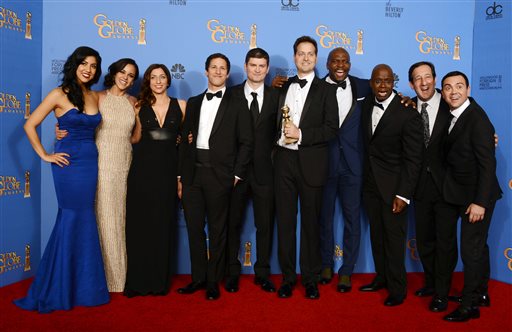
x: 132, y: 100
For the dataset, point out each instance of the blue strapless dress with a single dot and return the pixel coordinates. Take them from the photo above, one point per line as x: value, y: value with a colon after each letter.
x: 71, y: 271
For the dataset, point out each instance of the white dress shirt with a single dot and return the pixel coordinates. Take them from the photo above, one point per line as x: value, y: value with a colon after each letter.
x: 344, y: 97
x: 457, y: 113
x: 207, y: 116
x: 295, y: 99
x: 377, y: 113
x: 248, y: 90
x: 432, y: 109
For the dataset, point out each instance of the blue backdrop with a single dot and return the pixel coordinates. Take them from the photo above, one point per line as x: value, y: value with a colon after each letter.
x: 181, y: 34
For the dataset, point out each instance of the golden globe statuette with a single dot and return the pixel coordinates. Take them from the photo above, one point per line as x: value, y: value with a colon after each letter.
x: 286, y: 119
x: 28, y: 26
x: 338, y: 253
x: 27, y: 105
x: 27, y: 185
x: 27, y: 258
x: 247, y: 255
x: 252, y: 43
x: 359, y: 49
x: 456, y: 48
x: 142, y: 32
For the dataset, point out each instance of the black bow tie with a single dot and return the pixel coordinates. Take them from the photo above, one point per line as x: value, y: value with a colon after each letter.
x: 296, y: 79
x: 342, y: 84
x: 379, y: 105
x: 217, y: 94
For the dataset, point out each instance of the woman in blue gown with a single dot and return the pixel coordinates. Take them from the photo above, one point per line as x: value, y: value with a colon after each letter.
x: 71, y: 270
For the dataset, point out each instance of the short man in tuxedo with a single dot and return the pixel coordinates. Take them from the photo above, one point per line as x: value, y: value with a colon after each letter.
x: 261, y: 103
x: 472, y: 187
x: 436, y: 220
x: 393, y: 144
x: 301, y: 167
x: 345, y: 170
x: 210, y: 165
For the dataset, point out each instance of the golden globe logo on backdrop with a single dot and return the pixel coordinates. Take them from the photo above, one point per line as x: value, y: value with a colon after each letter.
x: 10, y: 103
x: 10, y: 20
x: 332, y: 39
x: 120, y: 29
x: 437, y: 45
x: 413, y: 250
x: 231, y: 34
x: 10, y: 261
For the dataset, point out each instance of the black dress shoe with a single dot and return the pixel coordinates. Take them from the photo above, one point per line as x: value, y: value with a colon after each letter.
x: 438, y: 304
x: 212, y: 292
x: 392, y: 301
x: 480, y: 301
x: 266, y: 284
x: 232, y: 284
x: 463, y: 314
x: 372, y: 287
x: 424, y: 291
x: 285, y: 290
x: 326, y: 276
x: 312, y: 291
x: 344, y: 284
x: 483, y: 301
x: 192, y: 287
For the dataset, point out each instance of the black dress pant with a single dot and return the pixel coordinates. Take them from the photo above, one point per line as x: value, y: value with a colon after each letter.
x: 291, y: 188
x: 474, y: 252
x: 387, y: 234
x: 207, y: 198
x: 263, y: 206
x: 436, y: 238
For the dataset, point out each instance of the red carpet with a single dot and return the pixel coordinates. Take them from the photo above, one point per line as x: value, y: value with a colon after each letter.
x: 253, y: 310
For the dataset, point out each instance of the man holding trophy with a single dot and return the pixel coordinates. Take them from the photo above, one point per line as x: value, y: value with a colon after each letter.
x: 309, y: 120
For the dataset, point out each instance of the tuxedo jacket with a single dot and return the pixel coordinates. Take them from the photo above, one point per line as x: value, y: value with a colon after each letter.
x: 470, y: 159
x: 230, y: 142
x: 265, y: 130
x: 349, y: 138
x: 393, y: 154
x: 318, y: 124
x: 433, y: 155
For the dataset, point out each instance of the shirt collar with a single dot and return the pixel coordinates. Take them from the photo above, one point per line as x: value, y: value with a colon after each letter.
x: 459, y: 110
x: 386, y: 102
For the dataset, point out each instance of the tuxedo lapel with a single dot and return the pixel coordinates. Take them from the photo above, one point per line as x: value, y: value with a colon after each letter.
x: 221, y: 111
x: 282, y: 99
x: 353, y: 87
x: 309, y: 98
x: 440, y: 125
x: 385, y: 120
x: 196, y: 112
x: 265, y: 107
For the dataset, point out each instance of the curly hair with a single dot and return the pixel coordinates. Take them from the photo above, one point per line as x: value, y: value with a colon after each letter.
x: 70, y: 84
x: 116, y: 67
x: 146, y: 96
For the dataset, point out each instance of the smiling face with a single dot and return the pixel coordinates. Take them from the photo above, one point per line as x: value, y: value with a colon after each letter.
x: 86, y: 69
x: 423, y: 82
x: 123, y: 79
x: 305, y: 58
x: 455, y: 91
x: 338, y: 64
x: 217, y: 74
x: 382, y: 82
x: 159, y: 82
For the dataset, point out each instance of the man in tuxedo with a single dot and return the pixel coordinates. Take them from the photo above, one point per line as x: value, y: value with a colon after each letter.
x: 393, y: 145
x: 345, y: 170
x: 436, y: 220
x: 261, y: 103
x: 472, y: 187
x: 301, y: 165
x: 210, y: 165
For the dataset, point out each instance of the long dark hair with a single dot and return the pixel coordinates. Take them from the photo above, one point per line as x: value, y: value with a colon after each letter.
x: 146, y: 96
x: 116, y: 67
x: 70, y: 84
